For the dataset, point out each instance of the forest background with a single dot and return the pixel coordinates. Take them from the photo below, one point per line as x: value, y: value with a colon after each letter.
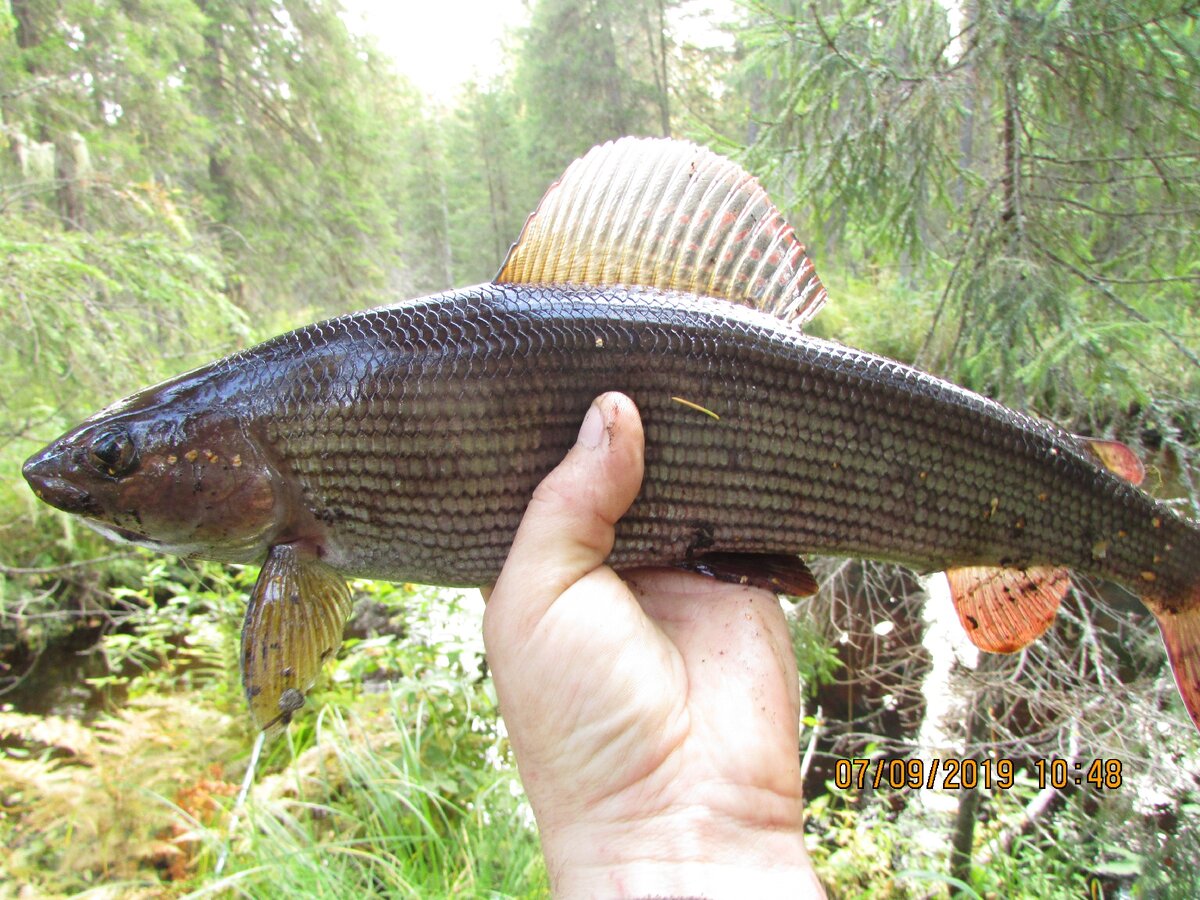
x: 1005, y: 193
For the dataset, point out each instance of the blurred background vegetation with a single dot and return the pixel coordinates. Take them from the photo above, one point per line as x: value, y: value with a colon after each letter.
x: 1006, y: 193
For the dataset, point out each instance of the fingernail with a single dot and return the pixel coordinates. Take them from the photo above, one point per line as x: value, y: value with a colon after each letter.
x: 592, y: 428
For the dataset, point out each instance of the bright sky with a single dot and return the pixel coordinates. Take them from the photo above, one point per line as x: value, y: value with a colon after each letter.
x: 439, y: 44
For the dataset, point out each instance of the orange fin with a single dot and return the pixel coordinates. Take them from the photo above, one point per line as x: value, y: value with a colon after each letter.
x: 293, y: 624
x: 1117, y: 458
x: 1181, y: 634
x: 1003, y: 610
x: 776, y: 572
x: 671, y: 215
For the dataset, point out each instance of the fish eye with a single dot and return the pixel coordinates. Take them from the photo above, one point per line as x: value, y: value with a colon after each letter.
x: 113, y: 453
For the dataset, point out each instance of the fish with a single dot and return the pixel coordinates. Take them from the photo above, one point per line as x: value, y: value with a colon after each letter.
x: 404, y: 442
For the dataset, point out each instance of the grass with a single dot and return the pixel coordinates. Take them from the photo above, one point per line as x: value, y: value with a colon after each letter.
x: 369, y: 811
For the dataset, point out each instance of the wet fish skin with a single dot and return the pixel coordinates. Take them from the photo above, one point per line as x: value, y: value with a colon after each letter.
x: 403, y: 443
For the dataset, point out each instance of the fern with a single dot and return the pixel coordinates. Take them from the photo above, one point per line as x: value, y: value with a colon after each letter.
x: 120, y: 799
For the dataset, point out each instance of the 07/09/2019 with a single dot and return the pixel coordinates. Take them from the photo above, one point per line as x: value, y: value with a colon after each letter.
x: 967, y: 774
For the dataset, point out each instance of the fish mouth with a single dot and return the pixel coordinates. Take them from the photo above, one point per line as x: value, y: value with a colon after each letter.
x: 43, y: 472
x: 121, y: 535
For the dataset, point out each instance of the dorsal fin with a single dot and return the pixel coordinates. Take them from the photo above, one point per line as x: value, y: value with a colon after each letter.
x: 667, y: 214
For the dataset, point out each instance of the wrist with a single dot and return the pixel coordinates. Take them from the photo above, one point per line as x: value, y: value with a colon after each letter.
x: 688, y: 852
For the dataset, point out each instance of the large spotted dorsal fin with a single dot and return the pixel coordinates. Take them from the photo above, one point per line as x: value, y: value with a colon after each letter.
x: 671, y: 215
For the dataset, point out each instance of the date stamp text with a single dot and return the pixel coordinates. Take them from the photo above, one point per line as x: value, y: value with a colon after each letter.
x: 952, y: 774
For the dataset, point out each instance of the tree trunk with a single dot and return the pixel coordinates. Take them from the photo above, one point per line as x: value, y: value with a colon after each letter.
x: 963, y: 838
x: 68, y: 182
x: 658, y: 63
x: 219, y: 170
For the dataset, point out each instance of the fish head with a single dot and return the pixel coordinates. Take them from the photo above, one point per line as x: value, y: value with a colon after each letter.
x: 168, y: 469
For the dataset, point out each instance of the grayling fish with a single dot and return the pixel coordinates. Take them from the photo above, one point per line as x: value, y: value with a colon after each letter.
x: 404, y: 442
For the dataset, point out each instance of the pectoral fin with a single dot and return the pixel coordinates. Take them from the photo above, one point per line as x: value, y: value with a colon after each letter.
x: 1003, y: 610
x: 293, y: 624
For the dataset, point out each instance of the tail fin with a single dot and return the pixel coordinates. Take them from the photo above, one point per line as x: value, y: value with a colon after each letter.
x: 1181, y: 634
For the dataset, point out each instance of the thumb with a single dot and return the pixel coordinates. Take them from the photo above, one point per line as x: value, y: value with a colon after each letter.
x: 568, y: 527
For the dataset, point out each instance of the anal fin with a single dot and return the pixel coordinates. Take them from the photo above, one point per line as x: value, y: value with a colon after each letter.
x: 293, y: 623
x: 1003, y: 610
x: 776, y: 572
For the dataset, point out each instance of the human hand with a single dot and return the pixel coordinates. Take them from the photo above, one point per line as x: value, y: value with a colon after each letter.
x: 654, y: 719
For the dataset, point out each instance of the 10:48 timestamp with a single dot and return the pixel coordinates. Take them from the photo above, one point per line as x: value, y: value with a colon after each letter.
x: 1059, y: 773
x: 967, y: 774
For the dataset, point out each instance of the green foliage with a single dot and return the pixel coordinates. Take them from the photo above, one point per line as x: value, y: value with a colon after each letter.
x: 271, y: 122
x: 75, y: 334
x: 305, y: 150
x: 180, y: 633
x: 1098, y: 844
x: 1032, y: 165
x: 73, y: 310
x: 490, y: 187
x: 414, y: 794
x: 854, y: 316
x: 89, y: 805
x: 174, y: 171
x: 816, y: 661
x: 390, y: 803
x: 591, y: 56
x: 855, y: 853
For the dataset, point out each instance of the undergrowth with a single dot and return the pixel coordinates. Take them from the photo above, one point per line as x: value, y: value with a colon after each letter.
x: 114, y: 801
x: 413, y: 794
x: 398, y: 780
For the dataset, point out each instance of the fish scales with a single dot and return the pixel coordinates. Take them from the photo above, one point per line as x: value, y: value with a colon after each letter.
x: 427, y: 426
x: 404, y: 442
